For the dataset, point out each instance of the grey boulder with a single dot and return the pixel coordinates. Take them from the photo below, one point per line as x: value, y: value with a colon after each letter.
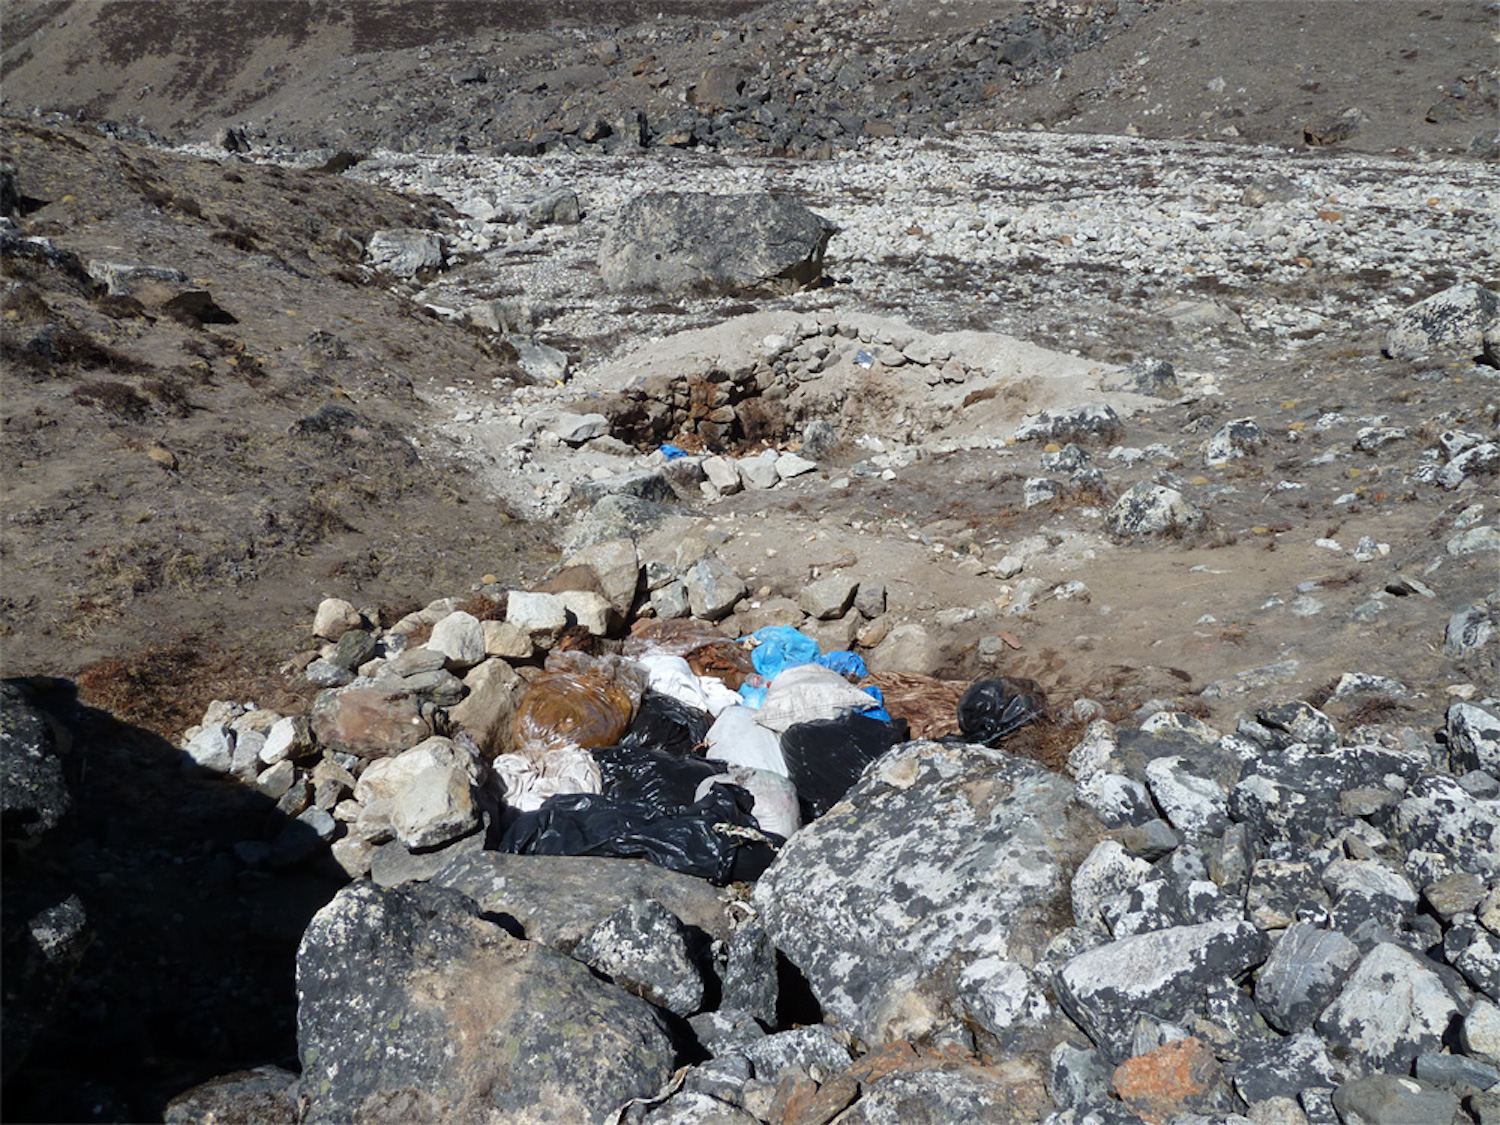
x: 1153, y: 509
x: 405, y: 253
x: 672, y: 241
x: 1451, y: 321
x: 1302, y: 975
x: 467, y: 1022
x: 644, y: 948
x: 1473, y: 738
x: 559, y: 900
x: 1389, y: 1099
x: 1393, y: 1008
x: 1162, y: 973
x: 938, y: 857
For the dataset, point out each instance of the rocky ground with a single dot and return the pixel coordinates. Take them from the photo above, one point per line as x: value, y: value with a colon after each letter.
x: 227, y: 399
x: 1372, y: 75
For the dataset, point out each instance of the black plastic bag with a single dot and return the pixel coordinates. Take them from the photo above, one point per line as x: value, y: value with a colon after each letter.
x: 825, y: 757
x: 992, y: 709
x: 652, y: 777
x: 715, y: 839
x: 667, y: 724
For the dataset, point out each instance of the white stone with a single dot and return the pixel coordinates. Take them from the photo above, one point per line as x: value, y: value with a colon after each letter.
x: 1481, y: 1032
x: 275, y: 781
x: 334, y: 618
x: 542, y: 617
x: 506, y: 639
x: 436, y: 807
x: 211, y: 749
x: 575, y: 429
x: 1108, y: 871
x: 591, y: 610
x: 1008, y: 567
x: 288, y: 738
x: 1192, y: 804
x: 723, y: 474
x: 352, y: 854
x: 790, y: 465
x: 759, y: 473
x: 460, y: 638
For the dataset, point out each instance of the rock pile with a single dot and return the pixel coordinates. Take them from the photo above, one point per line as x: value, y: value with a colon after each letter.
x: 1285, y: 921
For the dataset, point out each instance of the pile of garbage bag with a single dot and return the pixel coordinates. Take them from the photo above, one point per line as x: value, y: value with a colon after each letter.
x: 701, y: 754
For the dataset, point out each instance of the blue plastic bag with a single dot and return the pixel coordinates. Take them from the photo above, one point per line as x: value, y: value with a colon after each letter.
x: 671, y: 452
x: 845, y: 663
x: 781, y: 647
x: 878, y: 711
x: 753, y: 691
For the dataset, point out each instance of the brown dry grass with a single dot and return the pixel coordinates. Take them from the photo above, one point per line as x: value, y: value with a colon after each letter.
x: 165, y: 688
x: 1050, y: 739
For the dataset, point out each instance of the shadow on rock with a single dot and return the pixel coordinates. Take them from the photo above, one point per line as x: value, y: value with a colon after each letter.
x: 141, y: 954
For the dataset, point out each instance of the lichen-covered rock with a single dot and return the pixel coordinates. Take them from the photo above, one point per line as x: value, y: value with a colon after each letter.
x: 940, y: 856
x: 1192, y: 803
x: 1451, y: 321
x: 1177, y: 1078
x: 749, y: 978
x: 1475, y: 952
x: 247, y: 1097
x: 1297, y: 721
x: 34, y: 796
x: 1439, y: 815
x: 1149, y: 509
x: 1001, y: 995
x: 1164, y: 973
x: 1390, y: 1010
x: 44, y: 933
x: 1011, y: 1092
x: 1233, y: 439
x: 1109, y: 871
x: 1079, y: 1076
x: 412, y: 1007
x: 1473, y: 738
x: 559, y: 900
x: 1306, y: 967
x: 1269, y: 1066
x: 1293, y: 794
x: 1092, y: 420
x: 405, y: 253
x: 814, y: 1049
x: 694, y: 1108
x: 672, y: 241
x: 643, y: 947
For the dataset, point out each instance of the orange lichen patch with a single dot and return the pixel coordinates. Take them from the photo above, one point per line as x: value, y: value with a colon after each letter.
x: 1177, y: 1078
